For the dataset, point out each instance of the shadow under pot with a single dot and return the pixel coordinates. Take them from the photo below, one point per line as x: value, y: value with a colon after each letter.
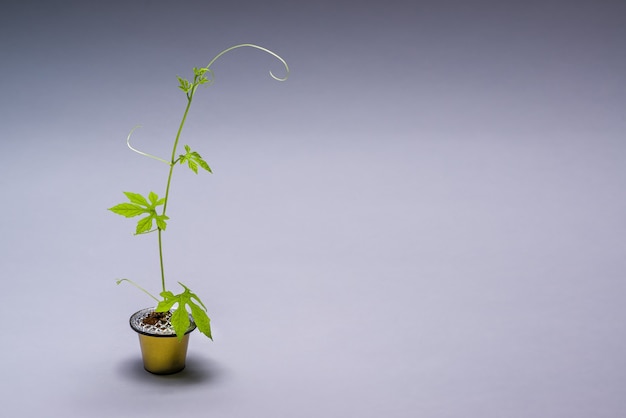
x: 161, y: 350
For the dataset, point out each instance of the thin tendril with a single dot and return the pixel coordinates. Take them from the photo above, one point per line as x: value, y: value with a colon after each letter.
x: 262, y: 49
x: 138, y: 287
x: 140, y: 152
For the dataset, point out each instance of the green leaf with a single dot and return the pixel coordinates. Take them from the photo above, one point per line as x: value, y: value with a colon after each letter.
x: 144, y: 224
x: 160, y: 220
x: 180, y: 320
x: 201, y: 162
x: 128, y: 210
x: 201, y: 319
x: 193, y: 160
x: 180, y: 317
x: 137, y: 198
x: 139, y: 205
x: 184, y: 84
x: 199, y: 71
x: 168, y: 301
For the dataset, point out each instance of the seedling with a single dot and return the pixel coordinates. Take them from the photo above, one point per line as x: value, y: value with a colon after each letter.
x: 153, y: 209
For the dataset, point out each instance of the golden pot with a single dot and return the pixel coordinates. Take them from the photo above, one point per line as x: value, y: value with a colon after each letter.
x: 161, y: 350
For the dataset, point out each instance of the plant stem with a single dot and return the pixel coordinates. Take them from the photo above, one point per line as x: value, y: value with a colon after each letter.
x: 161, y: 260
x: 169, y: 182
x: 173, y: 159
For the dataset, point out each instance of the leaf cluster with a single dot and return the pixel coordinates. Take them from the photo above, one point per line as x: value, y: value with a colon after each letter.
x: 180, y: 316
x: 199, y: 78
x: 139, y: 205
x: 193, y: 160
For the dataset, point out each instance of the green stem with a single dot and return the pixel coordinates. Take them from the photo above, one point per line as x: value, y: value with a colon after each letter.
x: 169, y: 181
x: 173, y: 159
x: 161, y: 261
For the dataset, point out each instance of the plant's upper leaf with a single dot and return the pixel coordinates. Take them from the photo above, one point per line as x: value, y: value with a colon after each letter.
x: 201, y: 162
x: 193, y: 160
x: 184, y: 84
x: 199, y: 71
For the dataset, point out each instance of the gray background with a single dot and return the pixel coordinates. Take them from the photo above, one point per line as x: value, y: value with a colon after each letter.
x: 426, y: 220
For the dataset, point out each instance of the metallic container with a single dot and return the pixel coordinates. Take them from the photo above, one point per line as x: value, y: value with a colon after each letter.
x: 161, y: 350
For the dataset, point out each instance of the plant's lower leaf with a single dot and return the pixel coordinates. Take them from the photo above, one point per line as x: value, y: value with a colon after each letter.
x: 180, y: 321
x: 201, y: 319
x: 184, y: 299
x: 166, y: 304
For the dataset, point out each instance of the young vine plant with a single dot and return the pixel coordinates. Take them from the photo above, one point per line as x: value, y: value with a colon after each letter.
x: 153, y: 209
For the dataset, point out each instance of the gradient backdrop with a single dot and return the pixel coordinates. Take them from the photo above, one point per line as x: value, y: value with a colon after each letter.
x: 425, y: 220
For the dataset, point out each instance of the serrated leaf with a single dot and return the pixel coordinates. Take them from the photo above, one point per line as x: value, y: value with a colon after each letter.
x: 199, y: 71
x: 165, y: 305
x: 193, y: 160
x: 144, y: 224
x: 128, y: 210
x: 169, y: 300
x: 180, y: 321
x: 201, y: 319
x: 184, y: 299
x: 194, y: 296
x: 137, y: 199
x: 184, y: 84
x: 139, y: 205
x: 198, y: 159
x: 204, y: 165
x: 160, y: 220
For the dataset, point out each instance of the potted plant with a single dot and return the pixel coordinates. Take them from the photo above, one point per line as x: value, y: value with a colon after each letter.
x: 164, y: 329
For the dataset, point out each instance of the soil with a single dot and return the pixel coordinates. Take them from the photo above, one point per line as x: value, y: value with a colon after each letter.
x: 153, y: 318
